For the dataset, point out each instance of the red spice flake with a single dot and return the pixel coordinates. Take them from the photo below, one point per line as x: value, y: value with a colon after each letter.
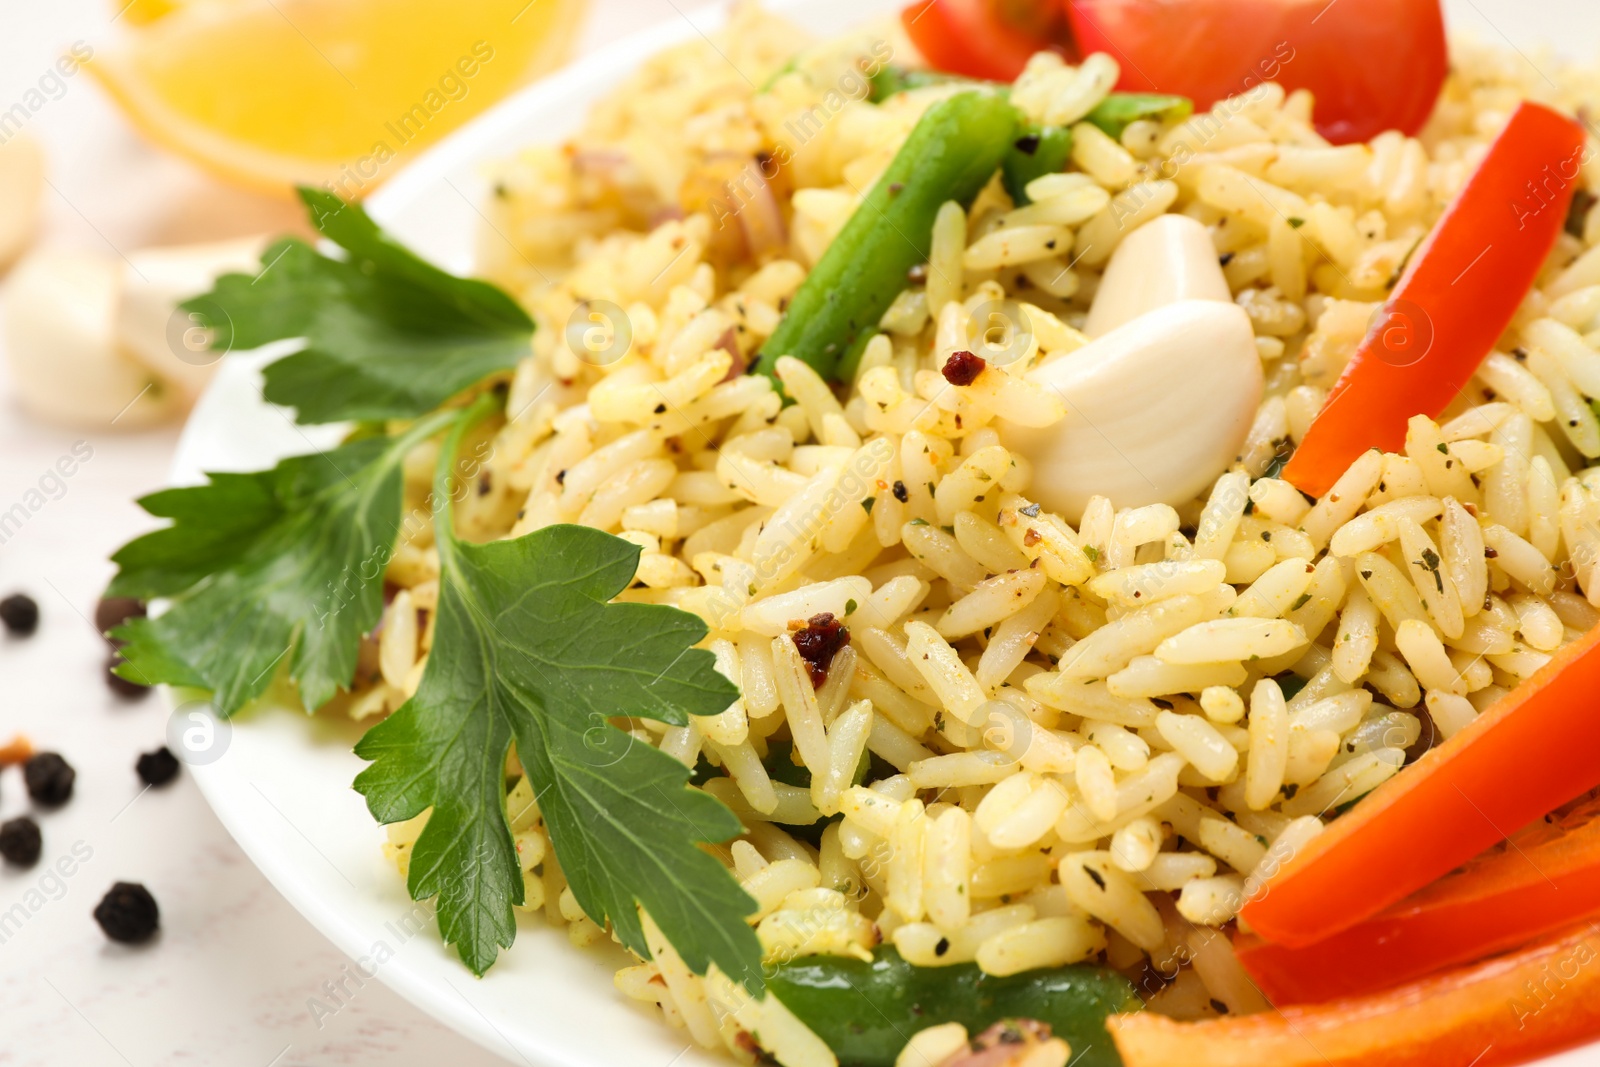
x: 1031, y: 538
x: 18, y: 750
x: 818, y: 641
x: 963, y: 368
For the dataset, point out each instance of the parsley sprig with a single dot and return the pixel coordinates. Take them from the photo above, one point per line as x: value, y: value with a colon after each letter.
x: 387, y: 334
x: 281, y: 571
x: 527, y: 648
x: 279, y: 564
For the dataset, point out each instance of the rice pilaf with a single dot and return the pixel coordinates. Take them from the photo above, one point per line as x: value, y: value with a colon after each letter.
x: 1090, y: 736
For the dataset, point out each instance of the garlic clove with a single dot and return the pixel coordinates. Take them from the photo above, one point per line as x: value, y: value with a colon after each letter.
x: 21, y: 187
x: 151, y: 327
x: 62, y: 350
x: 1168, y: 259
x: 1156, y: 410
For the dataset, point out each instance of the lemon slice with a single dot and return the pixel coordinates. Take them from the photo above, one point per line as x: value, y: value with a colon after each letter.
x: 144, y: 12
x: 272, y: 93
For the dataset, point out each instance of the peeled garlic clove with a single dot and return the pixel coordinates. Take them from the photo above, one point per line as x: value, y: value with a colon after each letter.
x: 151, y: 327
x: 65, y: 364
x: 21, y: 186
x: 1156, y: 410
x: 1168, y: 259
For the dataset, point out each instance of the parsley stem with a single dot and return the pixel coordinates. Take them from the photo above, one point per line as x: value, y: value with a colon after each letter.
x: 445, y: 481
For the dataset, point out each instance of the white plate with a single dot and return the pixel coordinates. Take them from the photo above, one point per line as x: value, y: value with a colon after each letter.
x: 282, y: 787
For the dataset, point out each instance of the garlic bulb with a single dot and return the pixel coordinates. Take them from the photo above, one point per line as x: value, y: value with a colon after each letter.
x: 21, y: 187
x: 1156, y: 409
x: 153, y: 329
x: 61, y: 344
x: 1168, y: 259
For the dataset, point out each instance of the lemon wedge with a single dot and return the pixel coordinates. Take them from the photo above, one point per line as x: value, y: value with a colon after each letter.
x: 274, y: 93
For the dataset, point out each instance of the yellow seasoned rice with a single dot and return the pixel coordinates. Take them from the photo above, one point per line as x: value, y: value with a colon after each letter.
x: 1092, y: 757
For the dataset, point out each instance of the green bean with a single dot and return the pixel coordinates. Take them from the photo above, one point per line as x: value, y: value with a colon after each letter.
x: 866, y: 1012
x: 781, y: 766
x: 951, y: 154
x: 1117, y: 111
x: 890, y: 80
x: 1040, y: 150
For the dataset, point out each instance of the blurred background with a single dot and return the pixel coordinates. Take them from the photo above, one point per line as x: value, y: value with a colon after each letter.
x: 145, y: 146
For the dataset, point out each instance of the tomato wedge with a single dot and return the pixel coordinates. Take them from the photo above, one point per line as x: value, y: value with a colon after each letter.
x: 1456, y: 298
x: 1540, y: 999
x: 974, y: 38
x: 1541, y: 881
x: 1533, y: 751
x: 1373, y: 65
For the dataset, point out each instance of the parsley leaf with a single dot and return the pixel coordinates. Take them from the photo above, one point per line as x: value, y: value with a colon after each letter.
x: 388, y: 335
x: 527, y: 648
x: 261, y: 565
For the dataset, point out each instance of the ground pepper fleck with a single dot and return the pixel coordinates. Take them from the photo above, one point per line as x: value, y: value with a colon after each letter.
x: 128, y: 913
x: 963, y: 368
x: 818, y: 642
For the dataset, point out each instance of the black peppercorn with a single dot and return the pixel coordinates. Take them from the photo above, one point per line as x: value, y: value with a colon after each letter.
x: 113, y: 611
x: 128, y: 913
x: 49, y: 778
x: 20, y: 614
x: 158, y: 767
x: 121, y: 686
x: 20, y: 841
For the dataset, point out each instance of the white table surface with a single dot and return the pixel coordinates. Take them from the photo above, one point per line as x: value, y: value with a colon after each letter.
x: 231, y: 978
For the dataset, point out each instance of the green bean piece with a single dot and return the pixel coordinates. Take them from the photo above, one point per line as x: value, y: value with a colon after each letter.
x: 891, y: 80
x: 1039, y: 150
x: 1115, y: 112
x: 866, y: 1012
x: 951, y: 154
x: 789, y: 66
x: 781, y: 766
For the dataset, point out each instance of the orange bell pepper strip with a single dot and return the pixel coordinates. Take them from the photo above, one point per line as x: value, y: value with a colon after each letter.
x: 1455, y: 299
x: 1506, y: 898
x: 1506, y: 1010
x: 1534, y: 750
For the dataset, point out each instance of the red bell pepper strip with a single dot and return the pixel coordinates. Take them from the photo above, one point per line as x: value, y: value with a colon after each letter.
x: 1540, y: 999
x: 1503, y: 899
x: 971, y: 38
x: 1534, y: 750
x: 1455, y: 299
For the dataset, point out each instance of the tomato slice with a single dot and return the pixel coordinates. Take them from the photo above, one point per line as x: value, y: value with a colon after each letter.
x: 1545, y: 878
x: 974, y: 38
x: 1373, y: 65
